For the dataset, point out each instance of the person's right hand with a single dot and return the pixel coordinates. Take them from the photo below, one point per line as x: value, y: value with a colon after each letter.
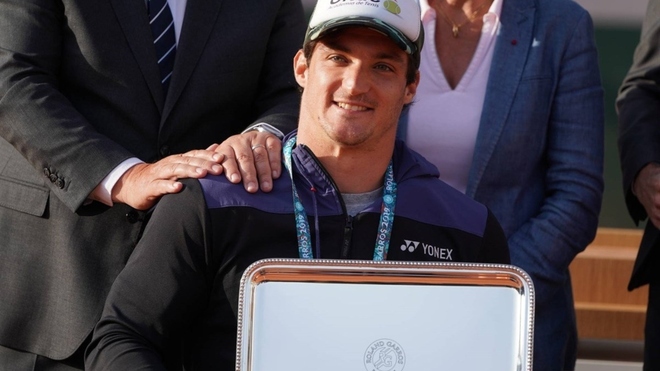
x: 254, y: 157
x: 647, y: 189
x: 143, y: 184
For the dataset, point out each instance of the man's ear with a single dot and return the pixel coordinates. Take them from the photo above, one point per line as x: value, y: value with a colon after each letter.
x: 300, y: 68
x: 411, y: 90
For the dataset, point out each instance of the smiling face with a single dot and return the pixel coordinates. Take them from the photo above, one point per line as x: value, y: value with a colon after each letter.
x: 354, y: 90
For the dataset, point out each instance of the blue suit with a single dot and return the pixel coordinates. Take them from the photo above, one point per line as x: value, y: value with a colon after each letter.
x: 538, y: 160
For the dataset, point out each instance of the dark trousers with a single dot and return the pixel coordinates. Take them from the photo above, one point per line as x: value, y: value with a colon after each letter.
x: 652, y: 330
x: 14, y: 360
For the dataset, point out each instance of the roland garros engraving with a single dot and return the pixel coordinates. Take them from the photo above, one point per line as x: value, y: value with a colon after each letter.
x: 384, y: 355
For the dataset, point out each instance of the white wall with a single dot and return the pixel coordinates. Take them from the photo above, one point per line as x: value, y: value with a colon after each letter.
x: 616, y: 12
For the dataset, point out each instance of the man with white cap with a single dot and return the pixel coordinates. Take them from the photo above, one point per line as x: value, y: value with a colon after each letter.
x: 351, y: 192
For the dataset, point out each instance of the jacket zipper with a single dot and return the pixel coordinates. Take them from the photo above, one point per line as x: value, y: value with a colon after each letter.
x: 348, y: 227
x: 348, y: 234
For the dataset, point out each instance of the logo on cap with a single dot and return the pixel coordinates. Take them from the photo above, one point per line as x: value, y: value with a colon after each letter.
x: 398, y: 19
x: 392, y: 7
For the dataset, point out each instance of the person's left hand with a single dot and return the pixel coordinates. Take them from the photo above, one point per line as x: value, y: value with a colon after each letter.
x: 646, y: 187
x: 254, y: 157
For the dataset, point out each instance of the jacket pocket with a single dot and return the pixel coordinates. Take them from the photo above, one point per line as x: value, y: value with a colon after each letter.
x: 20, y: 196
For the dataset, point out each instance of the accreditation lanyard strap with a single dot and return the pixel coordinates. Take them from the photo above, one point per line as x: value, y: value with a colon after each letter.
x: 386, y: 215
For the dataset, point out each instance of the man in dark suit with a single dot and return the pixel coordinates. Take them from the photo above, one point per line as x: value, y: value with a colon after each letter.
x: 638, y: 106
x: 93, y: 130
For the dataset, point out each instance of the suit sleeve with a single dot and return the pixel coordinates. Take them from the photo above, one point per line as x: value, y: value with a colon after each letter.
x: 163, y: 288
x: 278, y: 99
x: 638, y: 107
x: 568, y: 215
x: 35, y: 117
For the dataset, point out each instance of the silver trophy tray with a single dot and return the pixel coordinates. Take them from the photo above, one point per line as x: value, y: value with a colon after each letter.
x: 343, y: 315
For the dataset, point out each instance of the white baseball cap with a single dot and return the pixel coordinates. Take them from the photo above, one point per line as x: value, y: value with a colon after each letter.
x: 398, y: 19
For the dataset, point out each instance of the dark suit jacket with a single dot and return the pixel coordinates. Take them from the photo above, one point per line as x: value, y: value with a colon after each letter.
x: 79, y: 93
x: 638, y: 106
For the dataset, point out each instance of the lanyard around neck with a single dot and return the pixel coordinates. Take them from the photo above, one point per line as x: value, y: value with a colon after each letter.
x: 302, y: 225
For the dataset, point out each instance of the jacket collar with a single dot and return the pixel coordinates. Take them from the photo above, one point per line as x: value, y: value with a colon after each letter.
x: 198, y: 23
x: 407, y: 164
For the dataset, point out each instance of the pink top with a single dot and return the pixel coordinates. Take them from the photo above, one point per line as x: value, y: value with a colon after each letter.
x: 443, y: 123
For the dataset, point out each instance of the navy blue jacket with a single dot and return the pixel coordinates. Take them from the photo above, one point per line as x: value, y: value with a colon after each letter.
x: 177, y: 297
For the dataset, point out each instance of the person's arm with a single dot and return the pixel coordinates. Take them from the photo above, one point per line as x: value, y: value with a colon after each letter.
x: 278, y: 104
x: 568, y: 216
x: 43, y: 125
x: 162, y: 290
x: 638, y: 106
x: 35, y: 117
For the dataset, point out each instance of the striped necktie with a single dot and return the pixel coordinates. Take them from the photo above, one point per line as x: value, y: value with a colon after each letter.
x: 162, y: 28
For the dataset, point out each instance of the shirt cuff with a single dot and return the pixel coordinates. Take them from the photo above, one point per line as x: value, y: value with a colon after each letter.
x: 103, y: 192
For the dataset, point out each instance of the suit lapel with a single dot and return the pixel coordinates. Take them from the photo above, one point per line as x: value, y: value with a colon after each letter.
x: 511, y: 50
x: 132, y: 15
x: 199, y: 21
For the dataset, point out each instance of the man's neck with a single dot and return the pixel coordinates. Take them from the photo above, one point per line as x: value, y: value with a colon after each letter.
x: 355, y: 171
x: 356, y: 176
x: 354, y: 168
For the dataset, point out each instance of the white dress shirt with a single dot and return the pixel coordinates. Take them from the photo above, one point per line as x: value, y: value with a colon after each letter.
x: 102, y: 192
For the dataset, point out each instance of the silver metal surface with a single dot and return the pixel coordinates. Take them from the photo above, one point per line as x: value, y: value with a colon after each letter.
x: 384, y: 316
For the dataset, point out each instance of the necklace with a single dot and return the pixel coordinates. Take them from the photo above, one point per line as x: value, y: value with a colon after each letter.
x: 455, y: 28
